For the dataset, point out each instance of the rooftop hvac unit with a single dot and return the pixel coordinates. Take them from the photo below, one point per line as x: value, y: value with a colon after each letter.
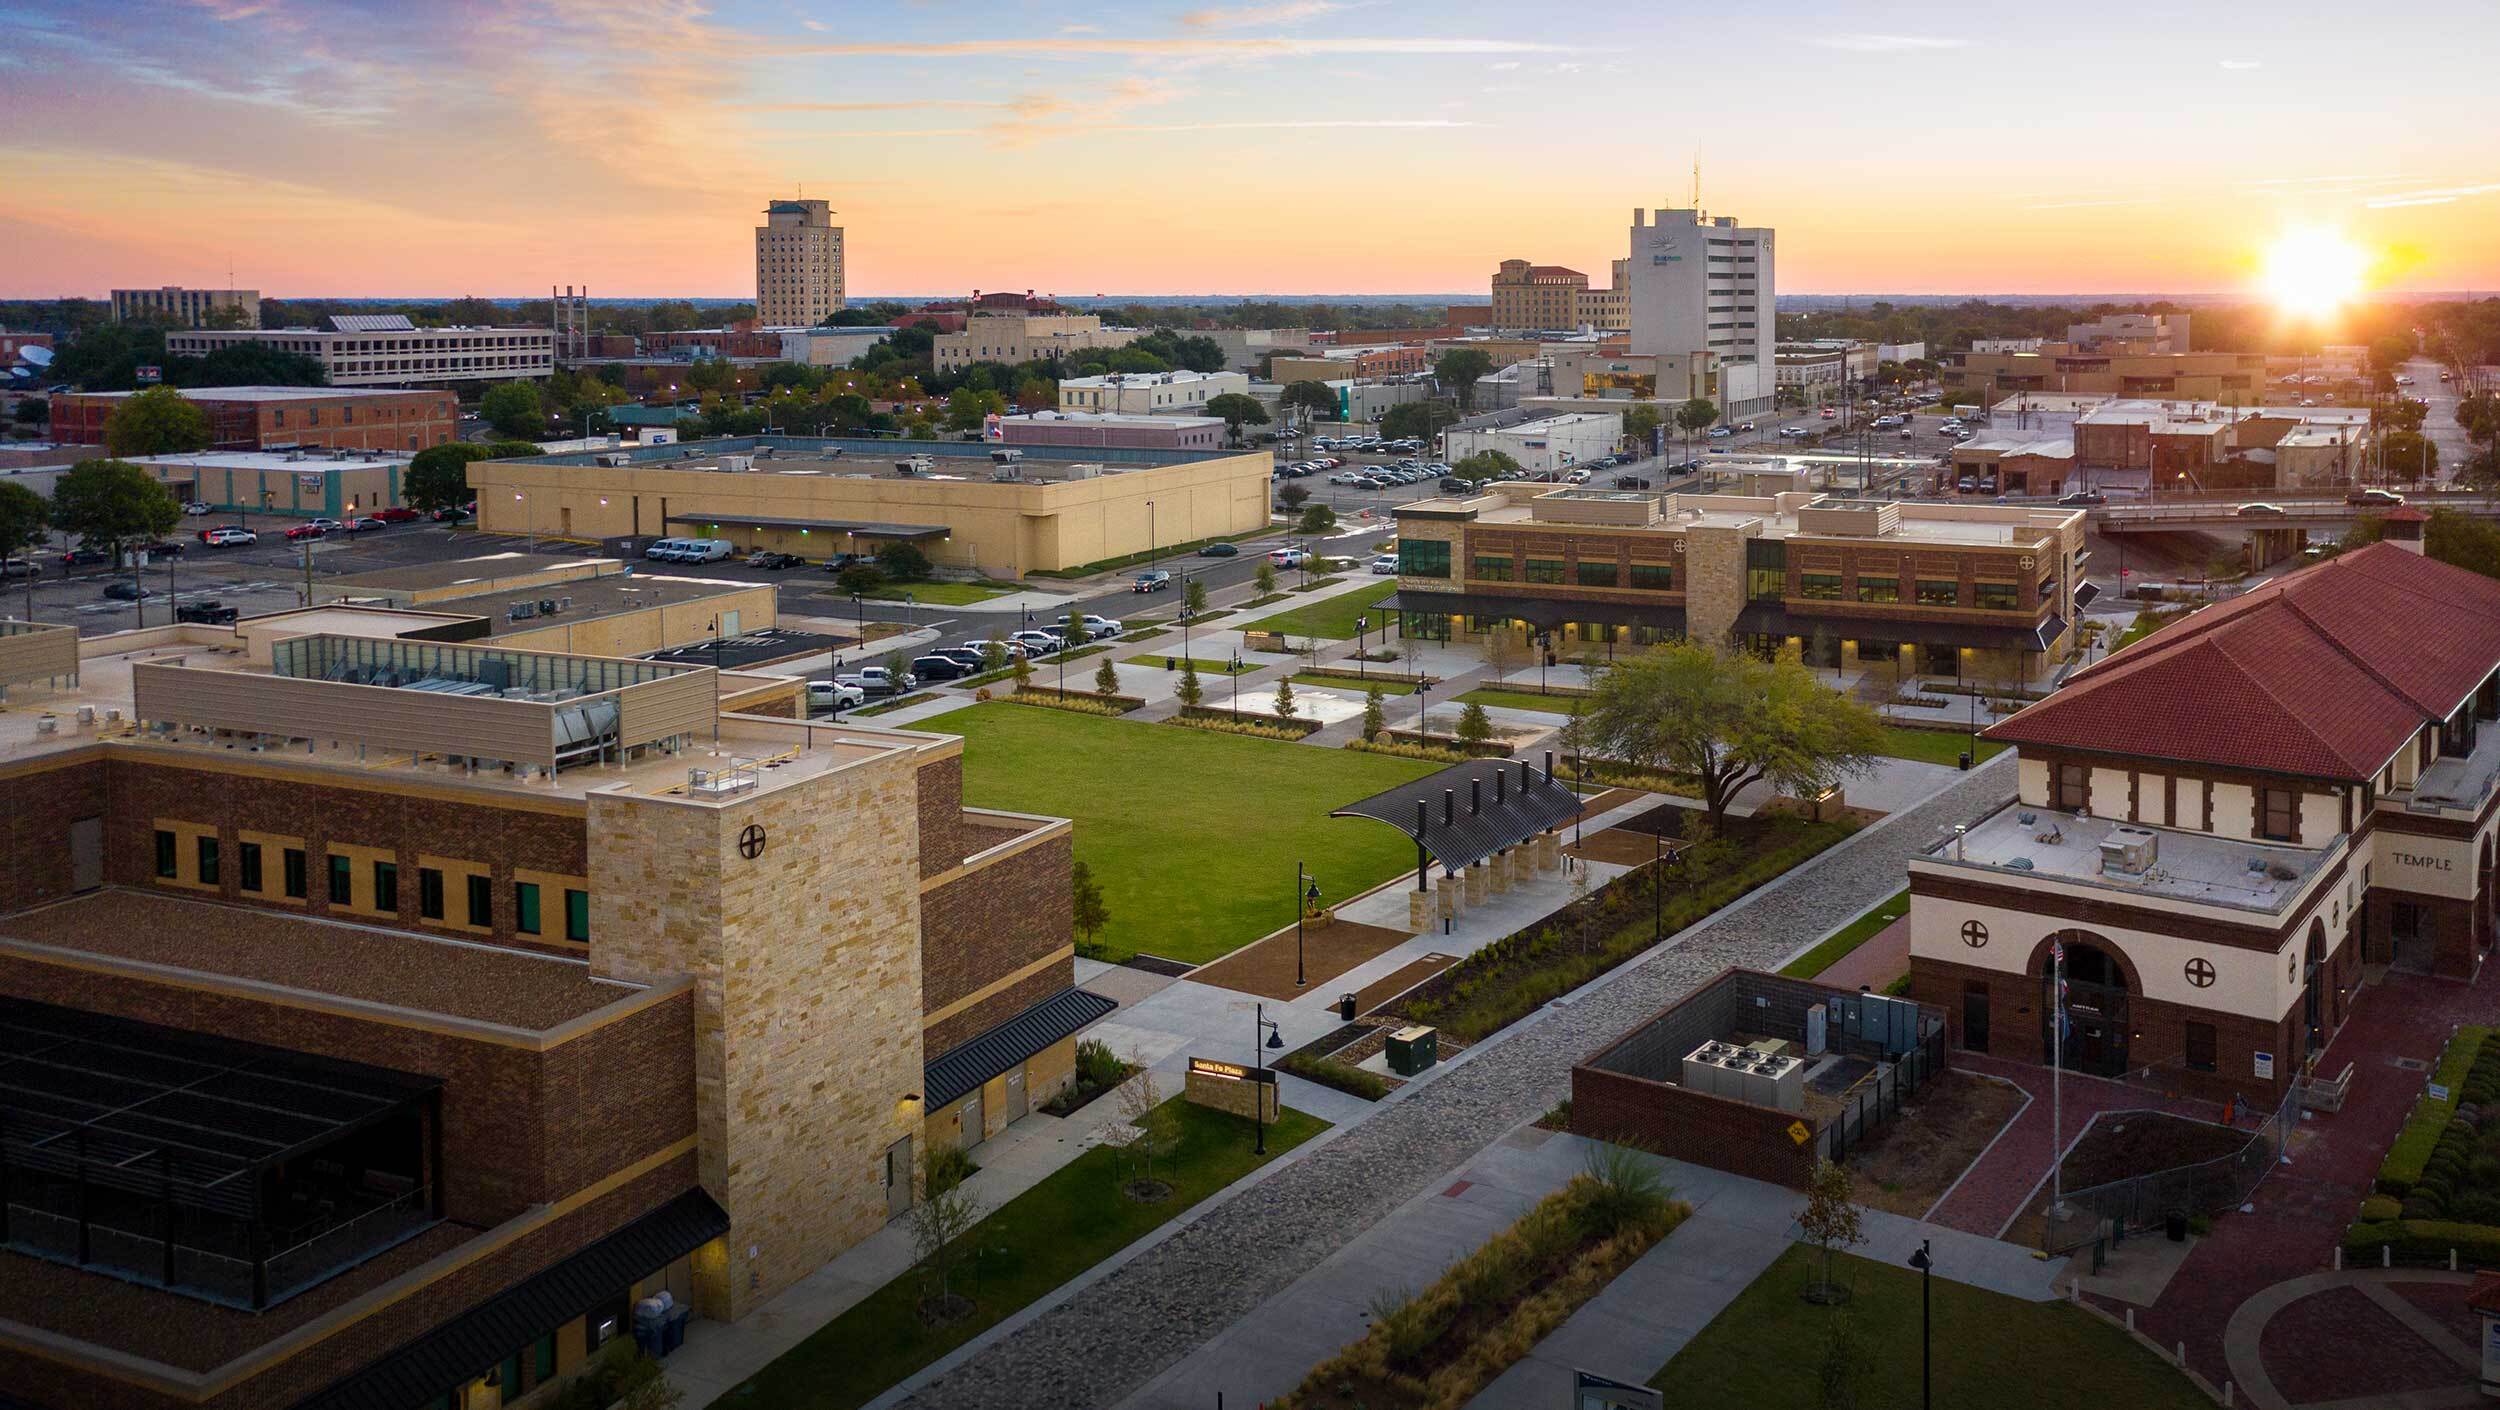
x: 737, y: 463
x: 1784, y: 1079
x: 1701, y: 1069
x: 2129, y: 851
x: 616, y: 461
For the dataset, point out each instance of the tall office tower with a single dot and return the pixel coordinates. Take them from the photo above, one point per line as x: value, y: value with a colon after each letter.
x: 798, y: 264
x: 1703, y: 284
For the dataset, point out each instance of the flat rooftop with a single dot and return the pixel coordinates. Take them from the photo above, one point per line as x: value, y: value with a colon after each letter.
x: 591, y: 598
x: 2187, y: 866
x: 365, y: 962
x: 291, y: 463
x: 864, y: 455
x: 282, y: 394
x: 1966, y: 525
x: 483, y: 571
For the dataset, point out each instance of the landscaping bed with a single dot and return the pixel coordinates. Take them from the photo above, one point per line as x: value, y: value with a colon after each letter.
x: 1605, y: 773
x: 1083, y: 702
x: 1155, y: 660
x: 1026, y: 1248
x: 1451, y: 744
x: 1327, y: 680
x: 1490, y: 1309
x: 1337, y: 1073
x: 2439, y: 1188
x: 1908, y: 1164
x: 1849, y: 937
x: 1255, y: 726
x: 1099, y: 1071
x: 1426, y: 752
x: 1520, y: 973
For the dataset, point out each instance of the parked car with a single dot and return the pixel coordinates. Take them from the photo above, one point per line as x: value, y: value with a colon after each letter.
x: 835, y: 693
x: 397, y: 514
x: 1289, y: 557
x: 197, y: 507
x: 840, y: 561
x: 877, y: 680
x: 2374, y: 496
x: 123, y: 590
x: 773, y: 562
x: 1452, y: 484
x: 1153, y: 580
x: 1721, y: 433
x: 1218, y: 550
x: 20, y: 568
x: 1037, y: 642
x: 1385, y: 564
x: 83, y: 557
x: 1631, y: 482
x: 452, y: 513
x: 963, y: 655
x: 213, y: 613
x: 1099, y: 627
x: 939, y: 668
x: 367, y: 523
x: 2260, y: 511
x: 2082, y: 499
x: 228, y: 537
x: 704, y: 550
x: 301, y: 532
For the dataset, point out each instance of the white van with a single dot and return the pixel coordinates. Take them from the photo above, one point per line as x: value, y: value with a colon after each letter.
x: 704, y: 550
x: 666, y: 550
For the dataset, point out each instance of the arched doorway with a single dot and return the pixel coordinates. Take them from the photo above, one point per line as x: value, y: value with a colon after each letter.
x: 2097, y: 992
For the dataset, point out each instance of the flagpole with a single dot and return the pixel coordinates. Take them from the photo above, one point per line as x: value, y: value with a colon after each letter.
x: 2057, y: 1083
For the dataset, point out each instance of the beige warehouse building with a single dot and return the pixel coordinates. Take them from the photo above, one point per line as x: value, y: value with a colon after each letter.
x: 1047, y: 510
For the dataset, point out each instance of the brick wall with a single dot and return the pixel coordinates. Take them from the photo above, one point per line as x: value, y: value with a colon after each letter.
x: 981, y: 927
x: 943, y: 841
x: 519, y: 1128
x: 47, y: 1382
x: 37, y: 806
x: 404, y: 822
x: 1671, y: 1121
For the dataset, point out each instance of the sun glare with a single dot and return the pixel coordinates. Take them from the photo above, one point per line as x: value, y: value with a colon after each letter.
x: 2312, y: 273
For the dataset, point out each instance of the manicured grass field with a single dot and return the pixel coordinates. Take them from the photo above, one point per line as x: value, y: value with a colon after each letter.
x: 942, y: 594
x: 1991, y: 1351
x: 1935, y: 746
x: 1353, y: 685
x: 1205, y: 666
x: 1069, y: 1222
x: 1521, y: 699
x: 1330, y: 617
x: 1849, y: 937
x: 1193, y: 835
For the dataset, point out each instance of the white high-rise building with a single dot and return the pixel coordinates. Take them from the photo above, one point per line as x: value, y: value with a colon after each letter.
x: 1704, y: 284
x: 798, y: 265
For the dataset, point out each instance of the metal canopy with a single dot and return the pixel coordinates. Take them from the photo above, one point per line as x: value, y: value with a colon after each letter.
x: 1774, y: 619
x: 870, y: 528
x: 976, y: 1060
x: 1467, y: 812
x: 188, y: 1116
x: 1545, y: 612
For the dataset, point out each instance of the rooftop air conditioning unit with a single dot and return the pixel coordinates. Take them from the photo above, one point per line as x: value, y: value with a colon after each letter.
x: 2129, y: 851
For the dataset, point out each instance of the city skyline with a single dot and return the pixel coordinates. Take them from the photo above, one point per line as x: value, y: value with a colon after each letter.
x: 1301, y: 147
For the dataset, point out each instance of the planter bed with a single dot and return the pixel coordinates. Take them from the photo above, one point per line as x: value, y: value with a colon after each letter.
x: 1083, y: 702
x: 1490, y: 749
x: 1252, y: 726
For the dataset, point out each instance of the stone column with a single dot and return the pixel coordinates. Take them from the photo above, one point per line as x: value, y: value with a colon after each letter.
x: 1549, y: 851
x: 1504, y: 865
x: 1448, y: 889
x: 1476, y: 884
x: 1418, y: 906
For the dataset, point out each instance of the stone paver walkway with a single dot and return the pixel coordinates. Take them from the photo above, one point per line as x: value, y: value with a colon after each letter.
x: 1142, y: 1316
x: 1882, y: 958
x: 1994, y: 1192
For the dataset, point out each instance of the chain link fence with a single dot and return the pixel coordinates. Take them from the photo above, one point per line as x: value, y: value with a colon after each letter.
x: 2148, y: 1201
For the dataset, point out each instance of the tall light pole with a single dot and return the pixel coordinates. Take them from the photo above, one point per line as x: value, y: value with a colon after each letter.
x: 1926, y: 1266
x: 1274, y: 1038
x: 1305, y: 896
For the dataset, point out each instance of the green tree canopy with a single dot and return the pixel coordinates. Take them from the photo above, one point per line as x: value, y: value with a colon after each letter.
x: 1316, y: 520
x: 903, y: 562
x: 1313, y: 397
x: 513, y: 409
x: 1696, y: 415
x: 1238, y: 410
x: 25, y: 518
x: 1485, y: 465
x: 158, y: 421
x: 1457, y: 371
x: 438, y: 476
x: 1728, y: 720
x: 1417, y: 420
x: 110, y: 503
x: 2409, y: 453
x: 1640, y: 425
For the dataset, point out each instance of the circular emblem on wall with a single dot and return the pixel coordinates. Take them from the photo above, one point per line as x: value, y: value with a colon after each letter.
x: 751, y: 841
x: 1974, y: 934
x: 2200, y: 972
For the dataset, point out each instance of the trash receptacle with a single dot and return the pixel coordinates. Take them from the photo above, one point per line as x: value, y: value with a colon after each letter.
x: 1411, y: 1050
x: 1966, y: 761
x: 1345, y: 1007
x: 2175, y: 1225
x: 673, y: 1328
x: 1170, y: 664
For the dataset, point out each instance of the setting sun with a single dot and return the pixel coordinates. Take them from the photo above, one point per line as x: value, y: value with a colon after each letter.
x: 2312, y: 273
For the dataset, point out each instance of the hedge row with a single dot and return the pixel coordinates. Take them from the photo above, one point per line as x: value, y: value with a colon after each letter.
x: 2463, y: 1069
x: 2424, y: 1240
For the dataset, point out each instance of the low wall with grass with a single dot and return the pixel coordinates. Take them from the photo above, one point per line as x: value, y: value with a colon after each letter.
x: 1255, y: 726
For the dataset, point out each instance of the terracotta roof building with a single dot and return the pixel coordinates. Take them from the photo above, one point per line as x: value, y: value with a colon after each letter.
x: 2221, y: 824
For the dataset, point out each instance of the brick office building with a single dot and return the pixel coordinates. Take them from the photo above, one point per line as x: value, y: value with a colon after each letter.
x: 278, y: 418
x: 348, y: 1066
x: 2222, y: 824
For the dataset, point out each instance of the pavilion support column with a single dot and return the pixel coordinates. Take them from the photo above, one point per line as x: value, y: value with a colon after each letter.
x: 1449, y: 894
x: 1505, y: 865
x: 1476, y: 884
x: 1549, y: 851
x: 1418, y: 912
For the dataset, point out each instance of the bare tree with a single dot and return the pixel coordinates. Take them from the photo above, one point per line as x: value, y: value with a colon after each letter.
x: 1832, y: 1219
x: 1141, y: 1102
x: 946, y: 1212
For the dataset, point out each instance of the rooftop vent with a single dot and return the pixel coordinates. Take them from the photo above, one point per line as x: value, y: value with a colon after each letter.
x: 2129, y: 851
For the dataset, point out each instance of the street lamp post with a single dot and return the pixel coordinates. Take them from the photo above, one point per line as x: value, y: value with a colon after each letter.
x: 1362, y: 651
x: 1926, y: 1266
x: 1274, y: 1038
x: 1305, y: 897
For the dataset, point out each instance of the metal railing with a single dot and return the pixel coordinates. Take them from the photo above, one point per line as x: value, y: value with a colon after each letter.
x: 220, y: 1277
x: 348, y: 1240
x: 2146, y: 1201
x: 1867, y: 1106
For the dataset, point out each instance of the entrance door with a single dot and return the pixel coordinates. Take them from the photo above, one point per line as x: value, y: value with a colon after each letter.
x: 86, y: 854
x: 728, y: 624
x: 2409, y: 936
x: 2096, y: 1010
x: 972, y: 1122
x: 1939, y: 660
x: 1015, y: 1096
x: 1975, y: 1016
x: 898, y: 1177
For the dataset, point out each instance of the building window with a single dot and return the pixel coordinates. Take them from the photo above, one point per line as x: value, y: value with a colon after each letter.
x: 1939, y: 592
x: 1654, y: 577
x: 1601, y: 575
x: 1879, y: 589
x: 291, y: 865
x: 2000, y: 597
x: 1766, y: 570
x: 482, y: 902
x: 247, y: 865
x: 2074, y: 788
x: 429, y: 893
x: 1545, y: 570
x: 577, y: 915
x: 386, y: 886
x: 1423, y: 558
x: 1823, y: 587
x: 1493, y: 567
x: 2279, y: 816
x: 166, y: 867
x: 2200, y: 1047
x: 208, y: 860
x: 342, y: 880
x: 525, y: 907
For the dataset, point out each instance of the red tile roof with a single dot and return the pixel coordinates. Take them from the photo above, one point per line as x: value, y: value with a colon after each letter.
x: 2323, y: 673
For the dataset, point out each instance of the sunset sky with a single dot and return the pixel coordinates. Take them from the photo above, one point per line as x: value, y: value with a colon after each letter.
x: 496, y: 147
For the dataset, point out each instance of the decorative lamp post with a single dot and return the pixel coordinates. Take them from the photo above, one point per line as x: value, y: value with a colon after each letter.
x: 1305, y: 900
x: 1258, y: 1099
x: 1926, y: 1266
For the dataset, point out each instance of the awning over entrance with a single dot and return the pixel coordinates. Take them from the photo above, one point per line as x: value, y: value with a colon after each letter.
x: 865, y: 528
x: 1774, y: 619
x: 1467, y: 812
x: 1542, y: 611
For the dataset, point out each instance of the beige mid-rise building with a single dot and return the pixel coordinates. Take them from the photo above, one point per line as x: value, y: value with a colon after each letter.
x: 1025, y: 337
x: 798, y: 264
x: 192, y: 308
x: 1537, y: 295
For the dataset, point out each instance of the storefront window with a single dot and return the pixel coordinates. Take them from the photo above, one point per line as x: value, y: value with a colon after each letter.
x: 1654, y: 577
x: 1425, y: 626
x: 1492, y: 567
x: 1766, y: 570
x: 1938, y: 592
x: 1879, y: 589
x: 2000, y: 596
x: 1545, y: 570
x: 1823, y: 587
x: 1599, y: 574
x: 1423, y: 558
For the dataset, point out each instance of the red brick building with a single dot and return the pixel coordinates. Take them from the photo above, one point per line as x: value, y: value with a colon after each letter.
x: 272, y: 418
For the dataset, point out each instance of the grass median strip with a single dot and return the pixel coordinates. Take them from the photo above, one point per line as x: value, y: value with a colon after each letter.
x: 1355, y: 684
x: 1857, y: 932
x: 1935, y: 746
x: 1205, y: 666
x: 1490, y: 695
x: 1331, y: 618
x: 941, y: 594
x: 1075, y: 1218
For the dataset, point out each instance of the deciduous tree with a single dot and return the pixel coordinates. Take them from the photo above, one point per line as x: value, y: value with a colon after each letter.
x: 1485, y: 465
x: 111, y: 503
x: 1457, y: 371
x: 438, y: 476
x: 1315, y: 398
x: 1088, y: 912
x: 1238, y: 411
x: 514, y: 410
x: 158, y: 421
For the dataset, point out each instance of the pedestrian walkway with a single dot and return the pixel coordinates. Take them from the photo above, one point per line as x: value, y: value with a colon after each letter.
x: 1882, y: 958
x: 1997, y: 1188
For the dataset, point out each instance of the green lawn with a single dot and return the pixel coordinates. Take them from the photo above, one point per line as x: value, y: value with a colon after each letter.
x: 1330, y: 617
x: 1353, y: 684
x: 1521, y: 699
x: 1069, y: 1222
x: 1205, y: 666
x: 1849, y: 937
x: 1193, y: 835
x: 942, y: 594
x: 1764, y: 1351
x: 1935, y: 746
